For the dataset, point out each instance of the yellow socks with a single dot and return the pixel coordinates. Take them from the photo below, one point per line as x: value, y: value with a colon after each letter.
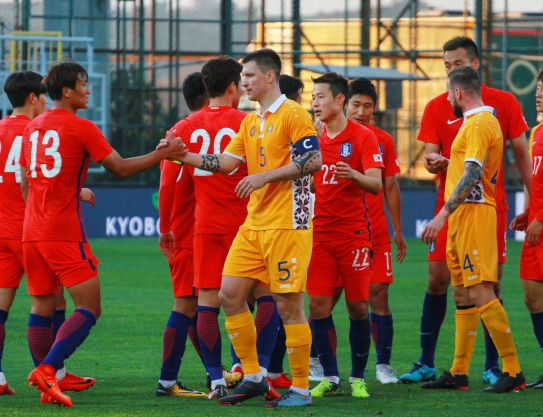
x: 242, y: 332
x: 495, y: 319
x: 466, y: 329
x: 299, y: 348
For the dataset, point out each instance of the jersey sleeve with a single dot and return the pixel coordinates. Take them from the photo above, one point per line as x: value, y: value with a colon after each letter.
x: 428, y: 132
x: 390, y: 159
x: 170, y: 171
x: 371, y: 156
x: 95, y: 144
x: 300, y: 126
x: 517, y: 123
x: 236, y: 147
x: 480, y: 137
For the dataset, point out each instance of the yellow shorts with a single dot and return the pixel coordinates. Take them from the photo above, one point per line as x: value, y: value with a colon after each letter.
x: 472, y: 248
x: 278, y: 258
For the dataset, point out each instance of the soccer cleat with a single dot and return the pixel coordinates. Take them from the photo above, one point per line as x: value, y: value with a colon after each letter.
x: 491, y: 376
x: 282, y: 381
x: 327, y: 388
x: 6, y: 390
x: 216, y: 394
x: 385, y: 374
x: 72, y: 382
x: 359, y: 389
x: 246, y: 390
x: 508, y: 383
x: 177, y: 390
x: 316, y: 372
x: 537, y: 384
x: 232, y: 377
x: 272, y: 393
x: 291, y: 399
x: 46, y: 399
x: 419, y: 373
x: 448, y: 381
x: 43, y: 377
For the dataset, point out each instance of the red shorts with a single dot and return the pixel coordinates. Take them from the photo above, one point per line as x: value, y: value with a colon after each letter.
x: 210, y: 252
x: 182, y: 272
x: 340, y: 264
x: 531, y: 262
x: 49, y: 264
x: 381, y: 264
x: 11, y: 263
x: 438, y: 249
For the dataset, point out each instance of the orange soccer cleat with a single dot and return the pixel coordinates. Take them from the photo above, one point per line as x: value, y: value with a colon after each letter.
x: 43, y: 378
x: 72, y: 382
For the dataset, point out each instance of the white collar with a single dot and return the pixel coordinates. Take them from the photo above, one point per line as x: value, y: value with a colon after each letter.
x: 480, y: 109
x: 274, y: 107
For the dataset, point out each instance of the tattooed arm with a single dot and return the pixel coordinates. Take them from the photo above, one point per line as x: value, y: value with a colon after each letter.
x: 223, y: 163
x: 472, y: 176
x: 305, y: 164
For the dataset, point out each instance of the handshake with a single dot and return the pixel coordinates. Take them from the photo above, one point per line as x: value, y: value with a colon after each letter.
x: 172, y: 147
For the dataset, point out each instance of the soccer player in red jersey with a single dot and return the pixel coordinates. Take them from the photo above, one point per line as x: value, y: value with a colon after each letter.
x: 439, y: 127
x: 341, y: 258
x: 209, y: 131
x: 360, y: 107
x: 57, y: 147
x: 531, y: 221
x: 26, y: 94
x: 176, y: 205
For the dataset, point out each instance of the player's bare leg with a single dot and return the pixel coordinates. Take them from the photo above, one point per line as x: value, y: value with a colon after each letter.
x: 433, y: 314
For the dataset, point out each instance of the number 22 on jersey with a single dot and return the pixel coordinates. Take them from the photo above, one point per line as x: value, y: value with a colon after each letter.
x: 51, y: 143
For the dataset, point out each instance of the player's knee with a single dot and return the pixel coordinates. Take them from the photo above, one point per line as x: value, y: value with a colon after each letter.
x: 358, y: 310
x: 319, y: 308
x: 533, y: 304
x: 379, y: 298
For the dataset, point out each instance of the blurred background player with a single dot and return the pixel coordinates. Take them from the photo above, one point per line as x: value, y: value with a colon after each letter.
x: 176, y: 205
x: 439, y: 126
x: 280, y: 146
x: 360, y: 107
x: 472, y: 252
x: 531, y: 221
x: 26, y: 93
x: 341, y: 257
x: 293, y: 88
x: 57, y: 147
x: 218, y: 219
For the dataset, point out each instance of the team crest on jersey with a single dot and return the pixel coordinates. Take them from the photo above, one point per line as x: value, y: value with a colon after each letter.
x: 252, y: 131
x: 269, y: 129
x: 346, y: 150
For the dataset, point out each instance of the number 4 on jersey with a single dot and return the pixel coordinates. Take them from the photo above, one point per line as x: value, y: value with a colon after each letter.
x: 12, y: 161
x: 467, y: 263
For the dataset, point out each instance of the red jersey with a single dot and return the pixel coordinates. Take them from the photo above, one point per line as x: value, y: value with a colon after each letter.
x: 340, y: 205
x: 12, y: 204
x: 176, y: 203
x: 56, y: 150
x: 208, y: 131
x: 439, y: 126
x: 536, y: 192
x: 376, y: 206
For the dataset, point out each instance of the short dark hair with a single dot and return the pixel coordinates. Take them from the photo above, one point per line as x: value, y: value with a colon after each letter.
x: 540, y: 75
x: 464, y: 42
x: 64, y: 74
x: 22, y: 83
x: 266, y: 59
x: 290, y: 86
x: 362, y: 86
x: 338, y: 83
x: 219, y: 73
x: 194, y: 91
x: 466, y: 78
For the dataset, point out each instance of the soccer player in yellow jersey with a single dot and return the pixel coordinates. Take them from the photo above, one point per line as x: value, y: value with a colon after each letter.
x: 472, y: 255
x: 273, y: 246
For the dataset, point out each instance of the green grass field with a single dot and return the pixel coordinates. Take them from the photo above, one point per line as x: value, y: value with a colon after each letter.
x: 124, y: 350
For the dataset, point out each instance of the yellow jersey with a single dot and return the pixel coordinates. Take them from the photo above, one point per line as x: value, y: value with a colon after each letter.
x: 479, y: 140
x: 266, y: 140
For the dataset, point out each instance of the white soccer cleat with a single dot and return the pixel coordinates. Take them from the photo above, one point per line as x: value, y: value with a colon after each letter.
x: 316, y: 373
x: 385, y: 374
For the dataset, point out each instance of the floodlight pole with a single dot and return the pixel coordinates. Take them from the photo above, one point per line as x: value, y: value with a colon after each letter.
x: 365, y: 20
x: 226, y: 27
x: 296, y: 37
